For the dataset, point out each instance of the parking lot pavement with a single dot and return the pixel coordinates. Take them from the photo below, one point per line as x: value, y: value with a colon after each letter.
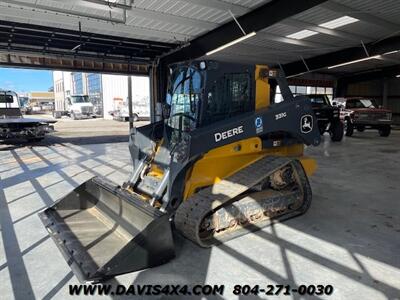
x: 348, y: 239
x: 85, y: 131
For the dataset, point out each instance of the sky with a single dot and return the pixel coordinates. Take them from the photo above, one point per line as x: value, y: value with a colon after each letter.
x: 25, y: 80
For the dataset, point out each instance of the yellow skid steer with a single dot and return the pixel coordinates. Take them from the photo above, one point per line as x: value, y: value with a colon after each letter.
x: 225, y: 160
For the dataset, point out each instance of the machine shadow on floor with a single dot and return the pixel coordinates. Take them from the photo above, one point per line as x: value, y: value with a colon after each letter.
x: 329, y: 240
x: 31, y: 179
x: 53, y: 140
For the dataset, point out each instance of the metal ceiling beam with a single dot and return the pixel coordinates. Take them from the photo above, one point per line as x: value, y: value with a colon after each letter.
x: 96, y: 4
x: 326, y: 31
x: 221, y: 5
x: 147, y: 14
x: 83, y: 64
x: 42, y: 40
x: 109, y: 4
x: 255, y: 20
x: 391, y: 71
x: 343, y: 56
x: 70, y: 22
x: 352, y: 12
x: 235, y: 59
x: 169, y: 18
x: 66, y: 11
x: 30, y: 31
x: 256, y: 49
x: 253, y: 59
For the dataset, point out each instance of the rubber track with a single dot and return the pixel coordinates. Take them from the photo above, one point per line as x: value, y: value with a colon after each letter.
x: 190, y: 214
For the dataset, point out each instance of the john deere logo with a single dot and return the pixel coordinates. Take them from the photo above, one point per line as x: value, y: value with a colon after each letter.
x: 306, y: 124
x: 258, y: 122
x: 259, y: 125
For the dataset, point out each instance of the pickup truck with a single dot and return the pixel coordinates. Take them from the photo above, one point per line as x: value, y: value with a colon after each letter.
x: 362, y: 113
x: 14, y: 126
x: 328, y: 116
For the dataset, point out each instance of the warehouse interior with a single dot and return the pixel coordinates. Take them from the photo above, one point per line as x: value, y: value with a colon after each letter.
x: 349, y: 237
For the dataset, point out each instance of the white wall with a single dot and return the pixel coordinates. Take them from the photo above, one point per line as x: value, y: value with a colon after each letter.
x: 116, y: 86
x: 141, y: 95
x: 113, y: 87
x: 67, y: 83
x: 64, y: 79
x: 58, y: 84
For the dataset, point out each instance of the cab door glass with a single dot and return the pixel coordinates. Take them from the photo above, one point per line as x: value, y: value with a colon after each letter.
x: 185, y: 100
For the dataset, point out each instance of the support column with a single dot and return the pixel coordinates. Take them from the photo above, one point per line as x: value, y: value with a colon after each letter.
x: 153, y: 93
x: 158, y: 89
x: 130, y: 102
x: 385, y: 87
x: 340, y: 88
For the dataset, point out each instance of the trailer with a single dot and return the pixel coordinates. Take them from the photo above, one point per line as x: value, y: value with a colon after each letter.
x: 140, y: 111
x: 14, y: 126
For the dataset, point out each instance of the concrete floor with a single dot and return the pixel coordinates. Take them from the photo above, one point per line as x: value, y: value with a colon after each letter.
x: 350, y: 238
x: 85, y: 131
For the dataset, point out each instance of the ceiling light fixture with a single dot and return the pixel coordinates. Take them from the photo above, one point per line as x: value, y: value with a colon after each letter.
x: 355, y: 61
x: 76, y: 47
x: 339, y: 22
x: 391, y: 52
x: 302, y: 34
x: 245, y: 37
x: 238, y: 40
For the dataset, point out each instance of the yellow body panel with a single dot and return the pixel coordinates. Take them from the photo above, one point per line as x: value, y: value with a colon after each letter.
x: 262, y: 88
x: 226, y: 160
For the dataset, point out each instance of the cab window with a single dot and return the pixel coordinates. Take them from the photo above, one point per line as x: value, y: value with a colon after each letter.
x: 6, y: 98
x: 228, y: 97
x: 184, y: 99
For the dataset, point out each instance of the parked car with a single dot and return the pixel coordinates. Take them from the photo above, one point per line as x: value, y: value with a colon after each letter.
x: 328, y: 116
x: 363, y: 113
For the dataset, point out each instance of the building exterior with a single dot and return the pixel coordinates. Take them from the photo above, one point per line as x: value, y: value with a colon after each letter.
x: 78, y: 83
x: 107, y: 92
x: 62, y: 83
x: 41, y: 101
x: 95, y: 92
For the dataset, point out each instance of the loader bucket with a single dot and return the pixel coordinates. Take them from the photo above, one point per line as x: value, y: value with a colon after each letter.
x: 103, y: 231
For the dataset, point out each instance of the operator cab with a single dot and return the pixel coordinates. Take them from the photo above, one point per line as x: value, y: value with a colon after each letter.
x: 8, y: 99
x: 203, y: 92
x: 9, y: 104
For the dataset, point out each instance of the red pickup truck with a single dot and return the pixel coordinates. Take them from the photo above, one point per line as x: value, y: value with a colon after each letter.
x: 363, y: 113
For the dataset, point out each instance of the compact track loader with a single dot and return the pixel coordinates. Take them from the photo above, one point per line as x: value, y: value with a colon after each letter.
x: 224, y: 161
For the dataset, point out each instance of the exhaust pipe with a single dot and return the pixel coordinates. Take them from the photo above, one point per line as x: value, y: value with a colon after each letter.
x: 103, y: 231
